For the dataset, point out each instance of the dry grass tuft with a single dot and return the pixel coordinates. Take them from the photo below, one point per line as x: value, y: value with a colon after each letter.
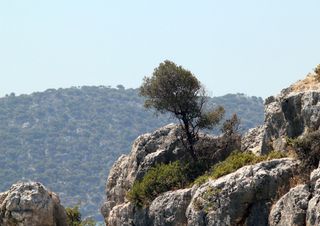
x: 311, y: 82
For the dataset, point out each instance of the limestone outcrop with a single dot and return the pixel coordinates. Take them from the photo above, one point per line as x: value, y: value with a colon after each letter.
x: 241, y: 198
x: 292, y: 113
x: 250, y: 186
x: 266, y: 193
x: 161, y: 146
x: 31, y: 204
x: 300, y: 206
x: 291, y: 209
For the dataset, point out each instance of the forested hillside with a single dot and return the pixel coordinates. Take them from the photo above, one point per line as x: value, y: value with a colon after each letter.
x: 69, y: 138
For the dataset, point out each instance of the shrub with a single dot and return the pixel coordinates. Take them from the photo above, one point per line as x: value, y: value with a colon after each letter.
x: 74, y: 218
x: 159, y: 179
x: 166, y: 177
x: 235, y: 161
x: 308, y: 150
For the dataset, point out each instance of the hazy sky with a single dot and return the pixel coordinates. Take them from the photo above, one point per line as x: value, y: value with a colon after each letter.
x: 255, y: 47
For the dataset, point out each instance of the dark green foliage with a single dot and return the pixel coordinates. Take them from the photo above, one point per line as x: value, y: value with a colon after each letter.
x: 235, y: 161
x: 166, y: 177
x: 69, y: 138
x: 173, y: 89
x: 307, y: 149
x: 73, y: 216
x: 159, y: 179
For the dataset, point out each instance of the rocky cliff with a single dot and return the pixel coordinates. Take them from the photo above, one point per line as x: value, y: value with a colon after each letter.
x: 161, y: 146
x: 31, y: 204
x: 292, y: 113
x: 267, y: 193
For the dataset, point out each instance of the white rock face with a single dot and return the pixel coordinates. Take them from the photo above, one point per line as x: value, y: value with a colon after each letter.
x: 294, y: 112
x: 240, y: 198
x: 31, y: 204
x: 300, y: 206
x: 161, y: 146
x: 147, y: 150
x: 169, y: 209
x: 313, y: 212
x: 245, y: 197
x: 291, y: 209
x: 253, y: 140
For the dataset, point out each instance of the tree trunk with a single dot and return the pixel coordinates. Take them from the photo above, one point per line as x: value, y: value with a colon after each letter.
x: 190, y: 139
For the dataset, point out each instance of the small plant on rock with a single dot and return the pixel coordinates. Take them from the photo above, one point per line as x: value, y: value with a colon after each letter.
x: 159, y: 179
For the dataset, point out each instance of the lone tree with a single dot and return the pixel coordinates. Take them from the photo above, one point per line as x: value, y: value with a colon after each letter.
x: 173, y: 89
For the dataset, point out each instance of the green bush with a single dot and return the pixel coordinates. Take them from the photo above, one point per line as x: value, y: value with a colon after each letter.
x: 159, y: 179
x: 307, y: 149
x: 166, y: 177
x: 74, y: 218
x: 235, y: 161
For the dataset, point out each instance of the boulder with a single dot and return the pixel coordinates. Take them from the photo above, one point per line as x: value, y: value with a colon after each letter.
x: 241, y: 198
x: 31, y: 204
x: 169, y: 209
x: 253, y: 140
x: 291, y: 209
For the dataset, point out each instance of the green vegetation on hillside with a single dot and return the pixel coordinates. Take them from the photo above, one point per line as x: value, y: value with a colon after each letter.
x: 69, y: 138
x: 234, y: 162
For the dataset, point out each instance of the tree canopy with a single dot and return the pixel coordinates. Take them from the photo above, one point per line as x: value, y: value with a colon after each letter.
x: 173, y: 89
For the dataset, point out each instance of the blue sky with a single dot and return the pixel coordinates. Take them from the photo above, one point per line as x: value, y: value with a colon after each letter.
x: 249, y: 46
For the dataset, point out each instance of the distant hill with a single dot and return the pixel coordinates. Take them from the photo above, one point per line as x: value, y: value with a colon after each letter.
x: 69, y: 138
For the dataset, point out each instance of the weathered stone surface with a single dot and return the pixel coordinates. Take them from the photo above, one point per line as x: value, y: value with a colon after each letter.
x: 291, y: 209
x: 31, y: 204
x: 298, y: 110
x: 244, y: 197
x: 253, y: 140
x: 169, y: 209
x: 290, y: 114
x: 127, y: 214
x: 147, y: 150
x: 313, y: 212
x: 241, y: 198
x: 161, y: 146
x: 294, y: 112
